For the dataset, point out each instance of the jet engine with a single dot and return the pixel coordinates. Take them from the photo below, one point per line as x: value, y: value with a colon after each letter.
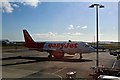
x: 58, y: 54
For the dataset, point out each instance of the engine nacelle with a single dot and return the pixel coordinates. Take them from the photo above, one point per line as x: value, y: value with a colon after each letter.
x: 58, y: 54
x: 71, y: 53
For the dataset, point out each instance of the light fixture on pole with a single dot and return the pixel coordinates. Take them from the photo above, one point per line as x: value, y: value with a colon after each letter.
x: 97, y: 6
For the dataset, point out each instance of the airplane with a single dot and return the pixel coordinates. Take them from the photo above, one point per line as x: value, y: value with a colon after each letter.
x: 115, y: 53
x: 57, y: 49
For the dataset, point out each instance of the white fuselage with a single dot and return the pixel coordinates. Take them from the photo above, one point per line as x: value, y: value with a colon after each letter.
x: 69, y: 47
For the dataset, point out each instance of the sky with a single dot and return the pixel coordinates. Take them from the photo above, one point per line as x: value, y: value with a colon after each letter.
x: 59, y: 21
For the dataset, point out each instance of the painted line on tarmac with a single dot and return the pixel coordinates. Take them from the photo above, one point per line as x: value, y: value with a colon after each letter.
x: 59, y: 70
x: 113, y: 66
x: 7, y: 53
x: 54, y: 75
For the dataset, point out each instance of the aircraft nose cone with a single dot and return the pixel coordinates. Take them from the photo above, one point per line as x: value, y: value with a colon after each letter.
x: 92, y: 49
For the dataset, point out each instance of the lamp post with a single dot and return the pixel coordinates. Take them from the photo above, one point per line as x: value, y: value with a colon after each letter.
x: 97, y: 6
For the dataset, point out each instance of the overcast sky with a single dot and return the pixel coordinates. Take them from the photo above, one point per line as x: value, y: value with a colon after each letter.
x: 58, y: 21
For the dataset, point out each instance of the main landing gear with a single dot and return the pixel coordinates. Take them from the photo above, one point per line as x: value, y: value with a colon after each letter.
x: 118, y: 56
x: 81, y: 56
x: 49, y: 56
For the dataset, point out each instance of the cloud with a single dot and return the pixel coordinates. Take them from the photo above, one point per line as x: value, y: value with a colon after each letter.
x: 67, y: 33
x: 77, y: 27
x: 72, y: 34
x: 15, y: 5
x: 71, y: 27
x: 84, y: 27
x: 9, y: 7
x: 45, y: 35
x: 56, y: 36
x: 77, y: 34
x: 51, y: 34
x: 33, y: 3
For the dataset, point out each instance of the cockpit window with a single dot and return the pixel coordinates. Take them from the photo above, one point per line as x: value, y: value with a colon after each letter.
x: 87, y: 45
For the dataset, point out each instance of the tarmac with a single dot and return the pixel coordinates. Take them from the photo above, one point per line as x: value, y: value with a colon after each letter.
x: 33, y: 64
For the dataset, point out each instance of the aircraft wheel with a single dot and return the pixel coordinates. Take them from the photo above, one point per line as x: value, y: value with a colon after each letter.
x: 81, y: 56
x: 49, y: 56
x: 117, y: 58
x: 63, y: 55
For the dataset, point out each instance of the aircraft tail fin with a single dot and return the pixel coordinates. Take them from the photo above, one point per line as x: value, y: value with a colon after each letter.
x: 28, y: 39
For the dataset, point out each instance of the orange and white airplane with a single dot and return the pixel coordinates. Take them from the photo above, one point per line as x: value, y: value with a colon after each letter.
x: 57, y: 49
